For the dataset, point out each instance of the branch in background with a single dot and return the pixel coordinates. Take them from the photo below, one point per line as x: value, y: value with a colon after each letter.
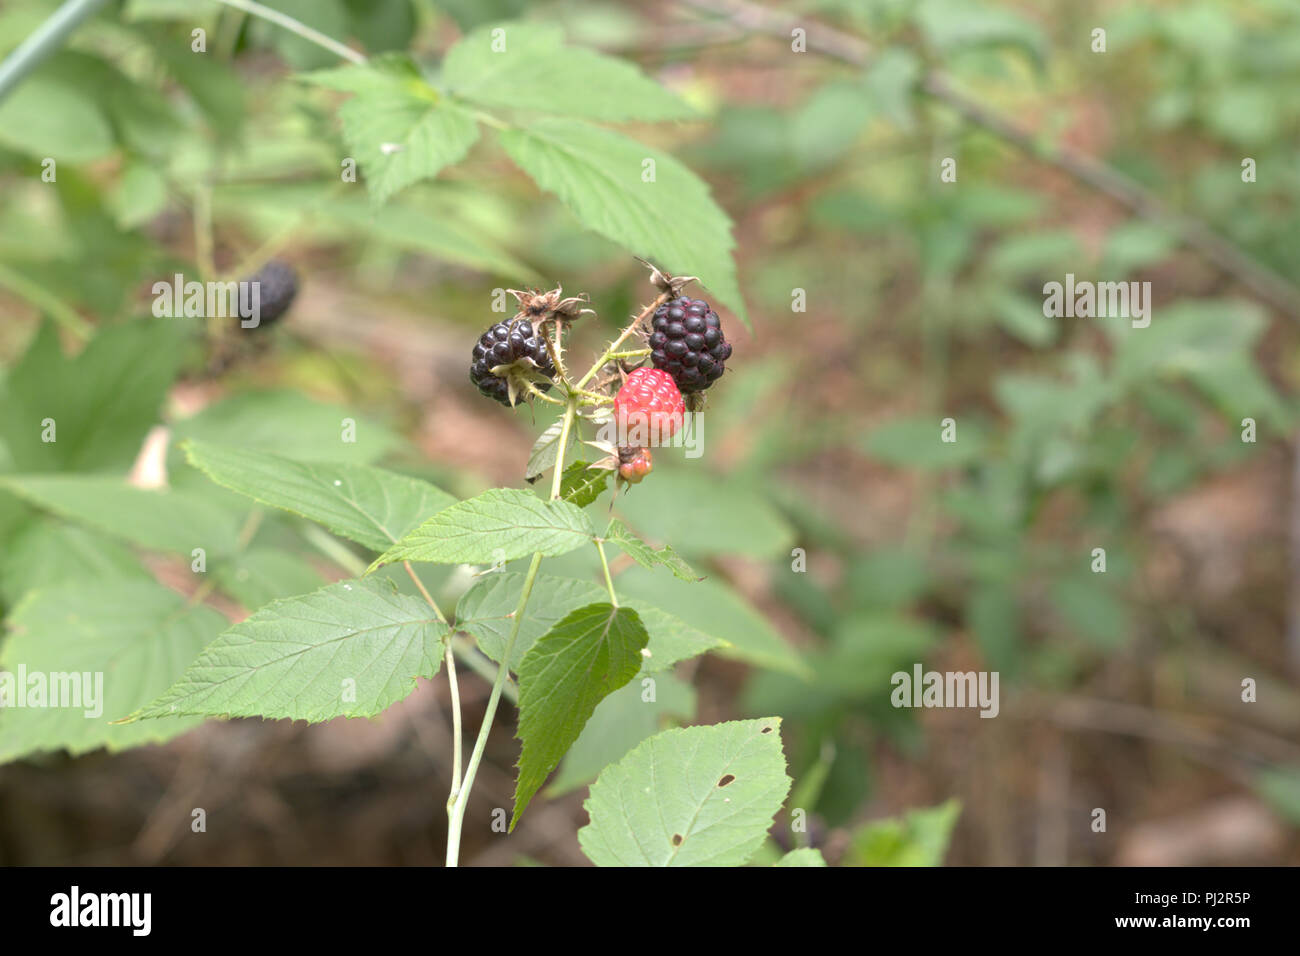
x: 1086, y: 169
x: 47, y: 38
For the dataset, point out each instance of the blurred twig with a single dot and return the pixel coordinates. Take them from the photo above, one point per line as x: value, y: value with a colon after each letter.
x: 47, y: 38
x: 1086, y: 169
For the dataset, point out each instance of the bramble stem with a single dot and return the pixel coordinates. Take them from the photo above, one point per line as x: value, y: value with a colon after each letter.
x: 451, y: 678
x: 455, y: 718
x: 297, y: 26
x: 47, y: 38
x: 49, y: 303
x: 456, y: 806
x: 604, y: 566
x: 609, y: 353
x: 538, y: 393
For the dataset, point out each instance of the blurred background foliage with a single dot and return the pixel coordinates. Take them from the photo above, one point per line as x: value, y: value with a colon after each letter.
x: 923, y: 302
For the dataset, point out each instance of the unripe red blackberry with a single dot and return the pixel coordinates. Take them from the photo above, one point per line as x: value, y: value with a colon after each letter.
x: 686, y: 341
x: 650, y: 405
x: 634, y: 464
x: 506, y: 344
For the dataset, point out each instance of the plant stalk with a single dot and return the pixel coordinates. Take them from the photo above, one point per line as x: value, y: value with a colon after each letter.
x: 298, y: 27
x: 456, y: 805
x: 47, y: 38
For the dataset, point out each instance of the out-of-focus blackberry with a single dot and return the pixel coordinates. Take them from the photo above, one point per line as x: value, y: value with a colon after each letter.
x: 686, y: 341
x: 277, y: 285
x: 507, y: 344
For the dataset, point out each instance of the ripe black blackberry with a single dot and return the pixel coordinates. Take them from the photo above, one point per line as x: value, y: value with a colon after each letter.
x: 506, y: 344
x: 686, y: 341
x: 277, y: 285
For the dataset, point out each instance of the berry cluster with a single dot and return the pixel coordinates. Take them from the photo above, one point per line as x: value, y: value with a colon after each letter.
x: 687, y: 350
x: 687, y: 343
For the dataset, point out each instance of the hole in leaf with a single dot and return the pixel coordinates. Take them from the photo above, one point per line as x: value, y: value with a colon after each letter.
x: 767, y: 730
x: 726, y: 779
x: 677, y: 839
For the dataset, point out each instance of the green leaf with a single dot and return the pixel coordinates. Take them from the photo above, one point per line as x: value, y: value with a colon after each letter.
x: 499, y: 525
x: 137, y: 634
x: 598, y: 175
x: 368, y: 505
x: 290, y: 424
x: 100, y: 422
x: 262, y: 575
x: 47, y: 117
x: 581, y: 484
x: 1090, y: 608
x: 646, y: 556
x: 702, y: 514
x: 956, y: 25
x: 485, y: 612
x: 330, y: 17
x: 592, y: 652
x: 46, y: 552
x: 621, y: 721
x: 696, y: 796
x: 172, y: 521
x: 918, y: 443
x: 140, y: 195
x: 804, y: 856
x: 542, y: 458
x: 1280, y: 787
x: 396, y: 125
x: 716, y: 610
x: 918, y: 838
x: 350, y: 649
x: 535, y: 71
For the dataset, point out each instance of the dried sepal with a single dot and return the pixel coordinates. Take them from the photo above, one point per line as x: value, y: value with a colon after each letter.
x: 547, y: 306
x: 664, y: 281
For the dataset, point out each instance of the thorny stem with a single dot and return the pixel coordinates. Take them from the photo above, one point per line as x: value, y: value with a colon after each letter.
x: 538, y: 393
x: 659, y: 300
x: 456, y: 806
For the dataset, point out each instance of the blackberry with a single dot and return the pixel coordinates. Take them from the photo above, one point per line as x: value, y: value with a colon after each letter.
x: 277, y: 285
x: 506, y: 344
x: 686, y: 341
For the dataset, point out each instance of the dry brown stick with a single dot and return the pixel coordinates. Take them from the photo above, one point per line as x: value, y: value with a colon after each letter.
x: 1128, y: 192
